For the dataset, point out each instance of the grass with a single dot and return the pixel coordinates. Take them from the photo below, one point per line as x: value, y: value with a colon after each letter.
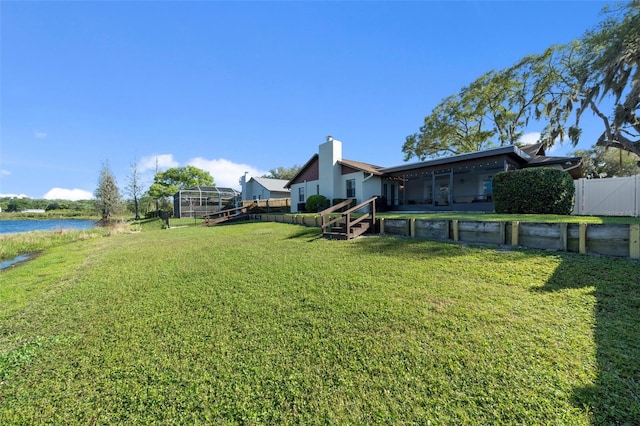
x: 267, y: 323
x: 12, y: 245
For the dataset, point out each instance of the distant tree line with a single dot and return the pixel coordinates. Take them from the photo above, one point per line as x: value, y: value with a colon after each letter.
x: 110, y: 202
x: 18, y: 204
x: 599, y: 162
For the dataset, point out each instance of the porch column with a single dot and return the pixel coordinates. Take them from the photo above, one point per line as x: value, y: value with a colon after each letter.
x: 433, y: 188
x: 404, y: 190
x: 450, y: 186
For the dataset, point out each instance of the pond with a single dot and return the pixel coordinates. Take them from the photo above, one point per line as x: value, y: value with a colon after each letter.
x: 28, y: 225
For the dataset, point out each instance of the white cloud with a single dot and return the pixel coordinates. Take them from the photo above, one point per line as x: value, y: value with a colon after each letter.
x: 533, y: 137
x: 554, y: 149
x: 4, y: 172
x: 530, y: 138
x: 13, y: 196
x: 39, y: 135
x: 161, y: 161
x: 67, y: 194
x: 225, y: 173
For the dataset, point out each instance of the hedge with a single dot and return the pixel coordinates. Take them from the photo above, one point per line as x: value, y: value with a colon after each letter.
x: 540, y: 190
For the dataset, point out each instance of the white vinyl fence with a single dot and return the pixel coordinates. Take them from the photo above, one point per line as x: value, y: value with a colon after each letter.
x: 608, y: 197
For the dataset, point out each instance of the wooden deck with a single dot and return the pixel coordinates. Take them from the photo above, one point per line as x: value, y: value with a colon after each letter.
x: 270, y: 205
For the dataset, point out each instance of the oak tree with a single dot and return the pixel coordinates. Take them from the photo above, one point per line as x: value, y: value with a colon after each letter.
x: 602, y: 162
x: 281, y: 172
x: 599, y: 73
x: 170, y: 181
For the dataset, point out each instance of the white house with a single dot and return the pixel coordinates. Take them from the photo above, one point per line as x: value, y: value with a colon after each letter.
x: 328, y: 174
x: 260, y: 188
x: 459, y: 182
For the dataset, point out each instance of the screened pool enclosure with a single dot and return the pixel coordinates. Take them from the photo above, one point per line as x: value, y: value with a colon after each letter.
x: 201, y: 200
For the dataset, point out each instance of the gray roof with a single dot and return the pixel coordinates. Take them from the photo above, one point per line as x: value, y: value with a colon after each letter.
x: 211, y: 189
x: 208, y: 189
x: 511, y: 149
x: 272, y: 185
x: 533, y: 149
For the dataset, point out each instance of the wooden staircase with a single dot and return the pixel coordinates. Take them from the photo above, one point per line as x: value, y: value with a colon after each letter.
x: 229, y: 215
x: 350, y: 223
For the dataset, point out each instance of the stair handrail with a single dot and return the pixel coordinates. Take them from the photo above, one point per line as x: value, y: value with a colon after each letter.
x: 224, y: 213
x: 353, y: 209
x: 347, y: 214
x: 361, y: 205
x: 357, y: 220
x: 325, y: 212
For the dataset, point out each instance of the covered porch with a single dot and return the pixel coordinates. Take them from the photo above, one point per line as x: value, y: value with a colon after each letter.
x: 461, y: 187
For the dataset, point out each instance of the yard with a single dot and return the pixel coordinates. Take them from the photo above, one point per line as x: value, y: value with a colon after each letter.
x: 267, y: 323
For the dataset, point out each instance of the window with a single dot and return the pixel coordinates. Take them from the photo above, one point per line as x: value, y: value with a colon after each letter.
x: 301, y: 194
x: 351, y: 188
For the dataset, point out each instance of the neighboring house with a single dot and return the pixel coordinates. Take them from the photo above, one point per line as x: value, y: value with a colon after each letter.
x: 201, y: 200
x: 260, y: 188
x: 460, y: 182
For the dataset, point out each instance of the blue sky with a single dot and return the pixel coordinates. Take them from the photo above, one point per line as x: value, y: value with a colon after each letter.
x: 241, y: 86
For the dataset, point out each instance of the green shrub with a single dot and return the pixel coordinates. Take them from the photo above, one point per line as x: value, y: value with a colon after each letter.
x: 540, y: 190
x: 316, y: 203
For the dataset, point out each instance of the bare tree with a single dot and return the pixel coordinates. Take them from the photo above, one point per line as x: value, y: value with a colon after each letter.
x: 134, y: 188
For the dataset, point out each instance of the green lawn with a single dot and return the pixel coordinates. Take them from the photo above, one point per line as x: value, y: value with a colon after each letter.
x: 267, y: 323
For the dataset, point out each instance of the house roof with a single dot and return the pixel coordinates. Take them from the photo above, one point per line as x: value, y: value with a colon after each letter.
x: 365, y: 167
x: 272, y: 185
x: 572, y: 165
x: 528, y: 156
x: 213, y: 189
x: 544, y: 160
x: 534, y: 149
x: 302, y: 170
x: 209, y: 189
x: 503, y: 150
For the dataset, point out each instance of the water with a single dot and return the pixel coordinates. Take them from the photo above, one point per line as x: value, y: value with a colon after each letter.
x: 11, y: 262
x: 27, y: 225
